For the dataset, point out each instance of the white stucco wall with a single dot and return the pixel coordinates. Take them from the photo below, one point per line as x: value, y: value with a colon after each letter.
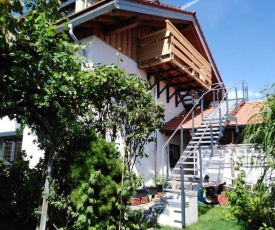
x: 28, y: 145
x: 31, y: 148
x: 100, y: 52
x: 7, y: 125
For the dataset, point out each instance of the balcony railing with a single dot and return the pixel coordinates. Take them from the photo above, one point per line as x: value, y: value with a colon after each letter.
x: 169, y: 45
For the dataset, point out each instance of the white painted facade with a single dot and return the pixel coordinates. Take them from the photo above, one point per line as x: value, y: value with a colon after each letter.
x: 100, y: 52
x: 8, y: 130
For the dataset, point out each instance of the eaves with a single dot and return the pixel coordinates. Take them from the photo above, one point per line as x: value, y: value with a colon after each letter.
x: 137, y: 7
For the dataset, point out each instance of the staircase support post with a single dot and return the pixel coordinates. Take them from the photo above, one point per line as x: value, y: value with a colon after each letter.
x: 202, y: 109
x: 211, y: 135
x: 200, y: 184
x: 192, y: 123
x: 220, y: 121
x: 167, y: 162
x: 181, y: 141
x: 182, y: 197
x: 214, y: 98
x: 227, y: 106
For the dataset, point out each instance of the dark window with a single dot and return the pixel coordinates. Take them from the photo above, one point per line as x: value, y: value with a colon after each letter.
x: 174, y: 154
x: 9, y: 152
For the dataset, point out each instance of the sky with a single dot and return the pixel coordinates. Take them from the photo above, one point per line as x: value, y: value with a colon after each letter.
x: 241, y: 38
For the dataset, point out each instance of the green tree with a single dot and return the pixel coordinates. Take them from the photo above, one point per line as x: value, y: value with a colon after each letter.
x: 42, y: 86
x: 123, y: 107
x: 20, y: 192
x: 257, y: 207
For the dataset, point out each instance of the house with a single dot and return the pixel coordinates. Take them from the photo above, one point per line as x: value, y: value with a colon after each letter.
x: 11, y: 142
x: 165, y: 45
x: 159, y: 42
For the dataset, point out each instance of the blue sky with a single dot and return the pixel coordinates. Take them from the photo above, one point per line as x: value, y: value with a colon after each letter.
x: 241, y: 37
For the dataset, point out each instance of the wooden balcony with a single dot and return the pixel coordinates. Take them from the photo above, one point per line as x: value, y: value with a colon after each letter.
x: 169, y: 49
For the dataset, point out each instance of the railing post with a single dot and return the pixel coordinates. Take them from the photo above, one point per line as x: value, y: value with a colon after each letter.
x: 192, y: 123
x: 181, y: 141
x: 227, y: 106
x: 214, y: 96
x: 182, y: 197
x: 167, y: 162
x: 220, y: 122
x: 223, y: 91
x: 200, y: 184
x: 211, y: 135
x: 202, y: 109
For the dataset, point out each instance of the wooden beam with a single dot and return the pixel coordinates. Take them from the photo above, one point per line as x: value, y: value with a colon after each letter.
x: 176, y: 77
x: 164, y: 71
x: 122, y: 26
x: 180, y: 83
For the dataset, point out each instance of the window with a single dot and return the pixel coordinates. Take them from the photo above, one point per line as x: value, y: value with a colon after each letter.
x: 174, y: 154
x: 9, y: 146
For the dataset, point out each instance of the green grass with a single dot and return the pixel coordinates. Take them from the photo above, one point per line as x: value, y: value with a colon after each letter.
x: 212, y: 218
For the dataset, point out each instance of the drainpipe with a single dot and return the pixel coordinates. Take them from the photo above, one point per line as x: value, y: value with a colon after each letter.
x: 156, y: 142
x: 71, y: 32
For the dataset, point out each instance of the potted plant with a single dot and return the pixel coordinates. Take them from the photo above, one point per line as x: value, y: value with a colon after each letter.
x: 160, y: 181
x: 141, y: 192
x: 151, y: 190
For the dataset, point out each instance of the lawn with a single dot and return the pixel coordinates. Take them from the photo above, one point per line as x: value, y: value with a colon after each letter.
x: 212, y: 218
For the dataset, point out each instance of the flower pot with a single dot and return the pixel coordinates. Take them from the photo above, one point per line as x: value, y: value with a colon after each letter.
x: 139, y: 193
x: 159, y: 187
x: 152, y: 190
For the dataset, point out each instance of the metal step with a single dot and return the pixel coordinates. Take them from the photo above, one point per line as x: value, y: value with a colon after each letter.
x: 176, y: 191
x: 178, y: 182
x: 201, y: 129
x: 190, y: 163
x: 176, y: 175
x: 215, y: 125
x: 208, y: 133
x: 186, y: 169
x: 203, y: 142
x: 205, y: 137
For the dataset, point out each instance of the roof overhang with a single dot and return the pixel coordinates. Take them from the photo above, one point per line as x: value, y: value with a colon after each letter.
x: 88, y: 14
x: 145, y: 8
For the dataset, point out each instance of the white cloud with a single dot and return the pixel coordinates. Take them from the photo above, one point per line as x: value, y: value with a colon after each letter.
x: 188, y: 4
x: 252, y: 95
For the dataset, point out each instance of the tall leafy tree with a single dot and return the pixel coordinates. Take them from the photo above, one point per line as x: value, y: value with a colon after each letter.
x: 42, y: 86
x: 257, y: 208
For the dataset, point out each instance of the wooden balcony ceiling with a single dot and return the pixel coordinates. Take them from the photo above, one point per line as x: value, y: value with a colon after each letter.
x: 118, y: 21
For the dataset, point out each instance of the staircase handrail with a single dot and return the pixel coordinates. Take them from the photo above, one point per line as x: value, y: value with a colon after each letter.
x: 173, y: 134
x: 215, y: 111
x: 217, y: 87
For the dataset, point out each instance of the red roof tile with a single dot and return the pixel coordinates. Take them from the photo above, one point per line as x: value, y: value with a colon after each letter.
x: 175, y: 122
x: 245, y: 112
